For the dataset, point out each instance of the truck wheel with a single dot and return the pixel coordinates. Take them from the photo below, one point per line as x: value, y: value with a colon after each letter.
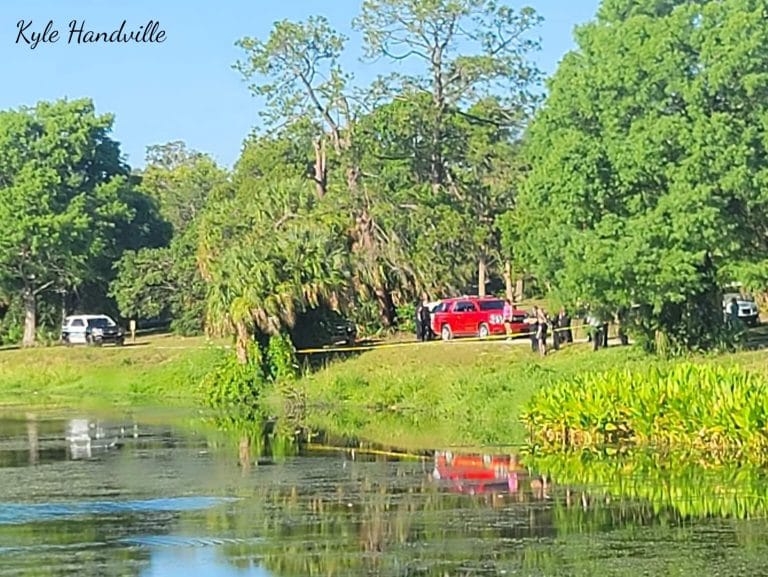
x: 484, y: 331
x: 446, y: 333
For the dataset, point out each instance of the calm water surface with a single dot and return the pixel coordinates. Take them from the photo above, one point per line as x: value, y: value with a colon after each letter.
x: 122, y: 496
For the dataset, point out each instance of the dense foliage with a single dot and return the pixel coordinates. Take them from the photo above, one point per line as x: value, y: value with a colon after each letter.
x: 648, y: 166
x: 67, y: 207
x: 636, y: 192
x: 165, y: 282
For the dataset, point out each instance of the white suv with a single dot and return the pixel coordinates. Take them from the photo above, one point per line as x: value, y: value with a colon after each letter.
x: 91, y: 330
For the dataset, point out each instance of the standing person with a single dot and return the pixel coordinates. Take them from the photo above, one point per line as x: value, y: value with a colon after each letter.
x: 417, y: 318
x: 541, y: 333
x: 733, y: 313
x: 533, y: 328
x: 621, y: 318
x: 564, y: 322
x: 557, y: 337
x: 425, y: 319
x: 604, y: 334
x: 507, y: 316
x: 595, y: 330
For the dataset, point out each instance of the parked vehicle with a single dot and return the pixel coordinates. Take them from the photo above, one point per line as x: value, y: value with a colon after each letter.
x: 474, y: 316
x: 748, y: 312
x: 323, y: 328
x: 91, y: 330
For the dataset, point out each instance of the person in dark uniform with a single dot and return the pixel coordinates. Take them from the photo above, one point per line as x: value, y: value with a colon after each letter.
x: 533, y: 329
x: 417, y: 318
x: 425, y: 321
x: 604, y: 334
x: 557, y: 336
x: 564, y: 323
x: 622, y: 330
x: 595, y: 330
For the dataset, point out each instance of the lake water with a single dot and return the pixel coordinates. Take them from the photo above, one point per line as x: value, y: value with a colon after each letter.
x: 162, y: 496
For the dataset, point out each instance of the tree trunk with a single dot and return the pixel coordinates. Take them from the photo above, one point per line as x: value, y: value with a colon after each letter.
x: 63, y: 307
x: 481, y: 270
x: 509, y: 291
x: 30, y: 316
x: 320, y: 167
x: 241, y: 344
x: 386, y: 307
x: 519, y: 289
x: 437, y: 169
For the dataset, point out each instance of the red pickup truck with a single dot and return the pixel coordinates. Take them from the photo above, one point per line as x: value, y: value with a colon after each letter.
x: 474, y: 316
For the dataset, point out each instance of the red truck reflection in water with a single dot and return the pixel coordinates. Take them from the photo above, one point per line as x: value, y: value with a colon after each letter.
x: 474, y: 473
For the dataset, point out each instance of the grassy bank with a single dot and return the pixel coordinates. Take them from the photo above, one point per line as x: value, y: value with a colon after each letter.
x: 419, y: 396
x: 160, y: 370
x: 458, y: 393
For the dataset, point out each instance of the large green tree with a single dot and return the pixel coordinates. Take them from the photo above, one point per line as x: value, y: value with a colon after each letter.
x: 393, y: 159
x: 649, y: 165
x: 164, y: 280
x: 62, y: 191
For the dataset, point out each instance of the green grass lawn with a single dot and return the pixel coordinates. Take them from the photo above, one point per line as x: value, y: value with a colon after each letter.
x: 155, y: 370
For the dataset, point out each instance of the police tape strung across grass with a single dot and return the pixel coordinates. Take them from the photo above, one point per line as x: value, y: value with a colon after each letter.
x: 715, y: 411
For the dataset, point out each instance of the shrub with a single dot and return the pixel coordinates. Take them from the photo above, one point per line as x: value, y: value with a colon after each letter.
x: 235, y: 387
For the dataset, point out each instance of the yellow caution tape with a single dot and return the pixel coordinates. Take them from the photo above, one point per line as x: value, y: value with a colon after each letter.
x: 427, y: 343
x: 363, y: 451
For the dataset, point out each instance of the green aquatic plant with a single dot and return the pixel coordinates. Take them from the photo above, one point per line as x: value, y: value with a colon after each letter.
x: 280, y: 362
x: 710, y: 410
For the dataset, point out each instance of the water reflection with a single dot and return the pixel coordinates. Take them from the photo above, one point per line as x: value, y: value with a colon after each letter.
x: 86, y: 437
x: 483, y: 473
x: 128, y: 497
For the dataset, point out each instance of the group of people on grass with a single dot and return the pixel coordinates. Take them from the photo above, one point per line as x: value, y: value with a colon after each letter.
x: 539, y: 324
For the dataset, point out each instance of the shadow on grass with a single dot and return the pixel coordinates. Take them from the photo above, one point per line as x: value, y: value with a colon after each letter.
x: 757, y: 337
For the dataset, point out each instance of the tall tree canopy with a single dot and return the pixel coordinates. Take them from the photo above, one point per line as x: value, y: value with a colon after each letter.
x: 472, y: 57
x: 648, y: 163
x: 395, y: 156
x: 63, y: 190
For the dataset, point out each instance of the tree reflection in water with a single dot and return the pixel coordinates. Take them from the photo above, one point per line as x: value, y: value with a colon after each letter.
x: 303, y: 510
x: 467, y: 514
